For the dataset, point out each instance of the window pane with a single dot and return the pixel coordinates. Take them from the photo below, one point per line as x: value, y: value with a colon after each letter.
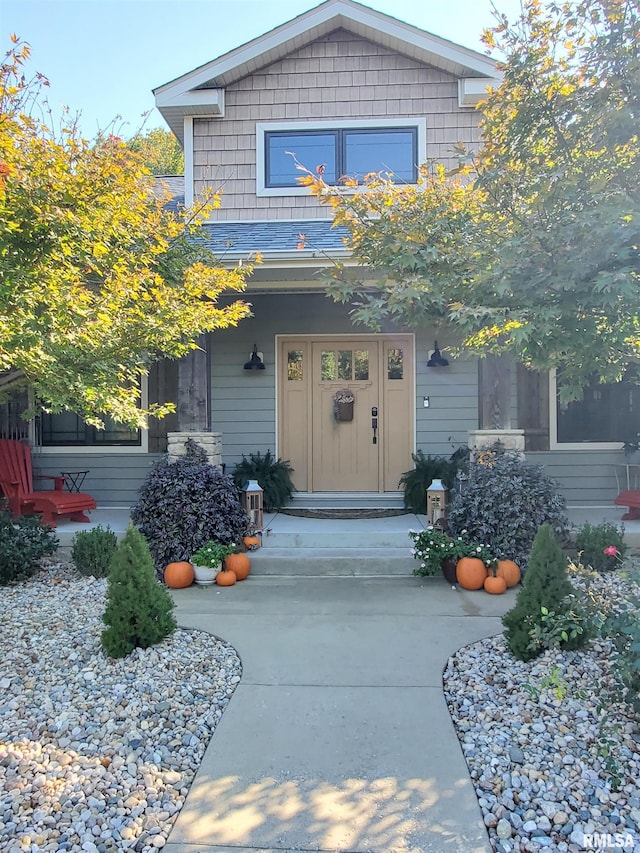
x: 69, y: 430
x: 328, y: 366
x: 114, y: 433
x: 310, y: 149
x: 65, y: 428
x: 395, y: 364
x: 294, y: 366
x: 381, y: 150
x: 345, y: 364
x: 361, y: 366
x: 606, y: 413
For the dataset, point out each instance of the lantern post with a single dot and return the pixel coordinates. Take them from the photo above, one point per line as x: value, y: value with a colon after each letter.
x: 253, y: 504
x: 437, y: 503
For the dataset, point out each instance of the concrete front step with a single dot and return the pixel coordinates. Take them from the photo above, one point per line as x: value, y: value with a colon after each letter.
x: 313, y: 562
x: 343, y: 538
x: 346, y: 500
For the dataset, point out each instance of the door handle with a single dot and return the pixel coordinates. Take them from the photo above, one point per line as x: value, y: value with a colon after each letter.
x: 374, y: 423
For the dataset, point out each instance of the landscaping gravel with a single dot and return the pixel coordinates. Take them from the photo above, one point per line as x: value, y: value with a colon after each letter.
x: 552, y: 751
x: 97, y: 754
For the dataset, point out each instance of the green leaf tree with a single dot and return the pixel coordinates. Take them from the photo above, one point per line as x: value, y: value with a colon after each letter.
x: 160, y: 151
x: 532, y: 246
x: 98, y: 280
x: 139, y: 609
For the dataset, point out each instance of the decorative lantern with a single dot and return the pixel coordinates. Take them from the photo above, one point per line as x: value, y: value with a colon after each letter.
x: 253, y: 503
x: 436, y: 503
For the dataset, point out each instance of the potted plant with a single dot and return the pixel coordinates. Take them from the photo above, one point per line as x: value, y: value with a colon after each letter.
x: 207, y: 561
x: 273, y: 476
x: 343, y: 401
x: 439, y: 552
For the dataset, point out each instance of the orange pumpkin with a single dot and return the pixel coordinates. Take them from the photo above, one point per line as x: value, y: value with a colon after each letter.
x: 179, y: 575
x: 226, y: 578
x: 471, y: 572
x: 495, y: 585
x: 239, y: 564
x: 510, y: 571
x: 251, y: 543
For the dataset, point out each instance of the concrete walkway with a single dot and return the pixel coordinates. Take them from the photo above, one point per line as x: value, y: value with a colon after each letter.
x: 338, y: 737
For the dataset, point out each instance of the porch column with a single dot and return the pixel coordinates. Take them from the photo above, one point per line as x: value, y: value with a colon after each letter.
x: 193, y: 389
x: 193, y: 406
x: 494, y: 406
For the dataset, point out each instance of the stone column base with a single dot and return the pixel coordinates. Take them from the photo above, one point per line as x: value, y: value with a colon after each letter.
x: 210, y: 441
x: 511, y: 439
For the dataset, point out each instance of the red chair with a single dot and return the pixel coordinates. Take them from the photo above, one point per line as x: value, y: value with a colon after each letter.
x: 16, y: 481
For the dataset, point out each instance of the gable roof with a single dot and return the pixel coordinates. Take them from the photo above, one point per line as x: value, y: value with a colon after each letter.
x: 201, y: 91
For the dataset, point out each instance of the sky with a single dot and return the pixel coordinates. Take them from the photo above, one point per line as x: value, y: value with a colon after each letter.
x: 103, y: 57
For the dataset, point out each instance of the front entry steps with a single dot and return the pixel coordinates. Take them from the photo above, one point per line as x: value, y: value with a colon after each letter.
x: 307, y: 547
x: 346, y: 500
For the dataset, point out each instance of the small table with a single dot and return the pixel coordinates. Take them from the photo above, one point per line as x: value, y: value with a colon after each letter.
x: 74, y: 479
x: 627, y: 476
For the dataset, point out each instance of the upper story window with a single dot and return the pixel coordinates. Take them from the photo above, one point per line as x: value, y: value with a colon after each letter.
x: 341, y: 152
x: 394, y: 146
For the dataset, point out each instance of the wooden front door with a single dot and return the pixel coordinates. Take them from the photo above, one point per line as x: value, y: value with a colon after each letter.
x: 336, y: 444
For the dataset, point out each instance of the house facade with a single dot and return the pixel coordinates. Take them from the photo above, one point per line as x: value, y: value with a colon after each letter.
x: 354, y: 91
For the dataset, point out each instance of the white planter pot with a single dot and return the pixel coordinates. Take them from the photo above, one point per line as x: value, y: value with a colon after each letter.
x: 205, y: 576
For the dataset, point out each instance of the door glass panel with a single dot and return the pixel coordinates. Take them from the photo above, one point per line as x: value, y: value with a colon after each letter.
x: 294, y: 366
x: 328, y: 365
x: 395, y: 364
x: 361, y: 364
x: 345, y: 364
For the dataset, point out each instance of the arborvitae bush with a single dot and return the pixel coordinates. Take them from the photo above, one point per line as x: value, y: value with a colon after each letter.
x: 183, y: 505
x: 23, y: 542
x: 504, y: 502
x: 546, y: 586
x: 138, y: 612
x: 92, y: 550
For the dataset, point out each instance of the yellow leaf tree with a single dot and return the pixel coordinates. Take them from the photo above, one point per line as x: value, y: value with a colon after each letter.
x: 98, y: 280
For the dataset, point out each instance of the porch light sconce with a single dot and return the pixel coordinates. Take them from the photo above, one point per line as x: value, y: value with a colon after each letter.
x: 255, y: 362
x: 437, y: 359
x: 437, y: 504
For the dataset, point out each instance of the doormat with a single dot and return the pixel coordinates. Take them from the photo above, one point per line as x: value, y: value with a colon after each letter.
x: 344, y: 513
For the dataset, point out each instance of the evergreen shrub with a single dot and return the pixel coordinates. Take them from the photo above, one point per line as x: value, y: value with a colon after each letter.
x: 546, y: 614
x: 183, y: 505
x: 23, y: 543
x: 591, y: 541
x: 504, y: 502
x: 623, y: 629
x: 92, y: 550
x: 138, y: 612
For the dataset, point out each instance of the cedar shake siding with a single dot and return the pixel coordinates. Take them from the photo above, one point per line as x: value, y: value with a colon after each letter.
x: 341, y: 77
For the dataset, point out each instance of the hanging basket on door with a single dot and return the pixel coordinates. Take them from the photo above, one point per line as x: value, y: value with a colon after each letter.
x: 343, y: 401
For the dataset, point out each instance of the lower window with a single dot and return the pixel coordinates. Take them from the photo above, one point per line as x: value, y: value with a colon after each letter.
x: 608, y: 414
x: 68, y: 430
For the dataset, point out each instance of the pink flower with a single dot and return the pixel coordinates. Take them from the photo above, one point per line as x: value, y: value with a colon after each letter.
x: 611, y: 551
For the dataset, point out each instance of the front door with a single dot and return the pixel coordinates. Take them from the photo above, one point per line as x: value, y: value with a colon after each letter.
x: 345, y: 411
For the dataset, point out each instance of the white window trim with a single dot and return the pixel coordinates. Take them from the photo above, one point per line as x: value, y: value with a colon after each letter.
x: 554, y: 444
x: 110, y: 449
x: 262, y: 127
